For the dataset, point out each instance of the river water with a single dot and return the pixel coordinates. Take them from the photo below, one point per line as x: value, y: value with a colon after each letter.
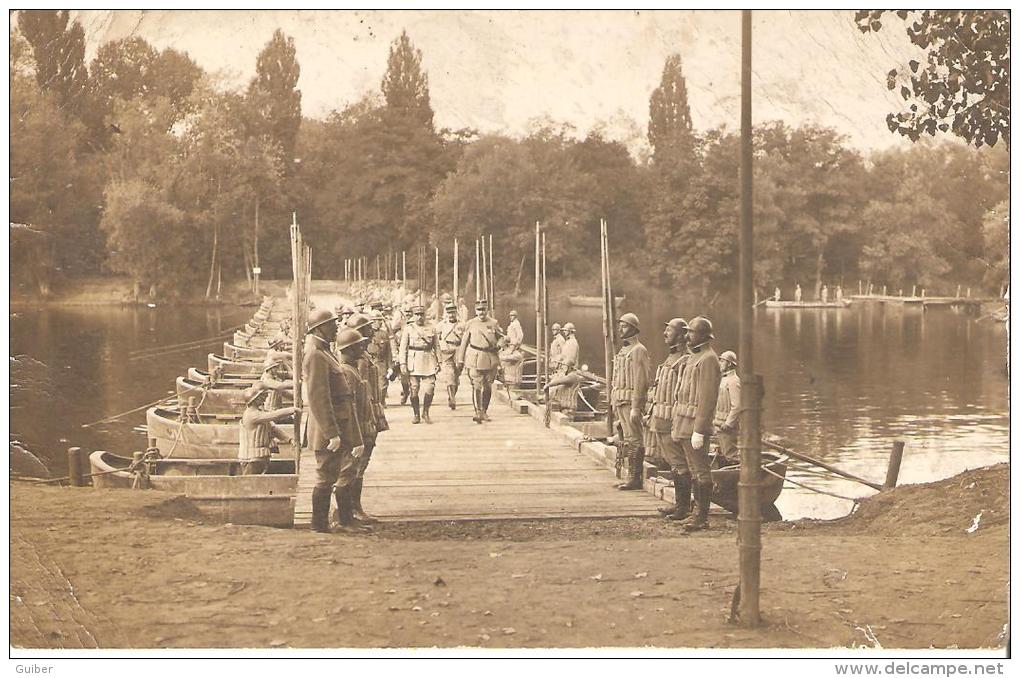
x: 839, y: 384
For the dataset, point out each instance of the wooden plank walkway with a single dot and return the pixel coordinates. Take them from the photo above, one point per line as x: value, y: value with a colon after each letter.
x: 454, y: 469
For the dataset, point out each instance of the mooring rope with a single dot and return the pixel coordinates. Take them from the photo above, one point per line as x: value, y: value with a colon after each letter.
x: 787, y: 479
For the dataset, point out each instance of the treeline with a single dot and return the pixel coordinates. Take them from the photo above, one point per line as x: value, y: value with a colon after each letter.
x: 142, y: 164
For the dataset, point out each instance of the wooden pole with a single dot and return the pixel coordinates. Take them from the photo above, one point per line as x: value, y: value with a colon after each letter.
x: 478, y: 270
x: 545, y: 322
x: 538, y: 311
x: 74, y: 467
x: 255, y: 249
x: 298, y: 324
x: 485, y: 273
x: 749, y: 485
x: 820, y: 464
x: 605, y: 323
x: 456, y: 281
x: 492, y: 279
x: 439, y: 310
x: 892, y: 474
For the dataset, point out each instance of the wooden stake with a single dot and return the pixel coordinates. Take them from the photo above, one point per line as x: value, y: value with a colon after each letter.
x: 74, y: 467
x: 545, y: 322
x: 892, y: 473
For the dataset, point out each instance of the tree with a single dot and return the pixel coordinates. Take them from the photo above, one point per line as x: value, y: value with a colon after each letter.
x: 58, y: 46
x: 964, y: 87
x: 996, y: 238
x: 405, y: 86
x: 670, y: 131
x: 273, y: 95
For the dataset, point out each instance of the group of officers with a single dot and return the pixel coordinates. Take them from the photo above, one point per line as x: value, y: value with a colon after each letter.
x: 672, y: 414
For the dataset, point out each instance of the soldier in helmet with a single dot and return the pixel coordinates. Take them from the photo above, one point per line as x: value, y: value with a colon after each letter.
x: 259, y: 430
x: 350, y: 344
x: 569, y: 350
x: 514, y: 332
x: 727, y: 408
x: 631, y: 368
x: 662, y: 394
x: 450, y: 331
x: 381, y: 351
x: 479, y: 351
x: 419, y: 360
x: 693, y: 413
x: 555, y: 347
x: 373, y: 419
x: 333, y: 432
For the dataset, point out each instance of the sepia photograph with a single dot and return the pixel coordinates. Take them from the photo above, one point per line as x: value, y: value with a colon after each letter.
x: 510, y: 333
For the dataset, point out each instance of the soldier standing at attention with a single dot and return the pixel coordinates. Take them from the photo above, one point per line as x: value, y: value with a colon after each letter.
x: 381, y: 352
x: 450, y: 331
x: 727, y: 408
x: 660, y: 420
x: 479, y: 351
x: 555, y: 347
x: 631, y: 368
x: 419, y: 360
x: 696, y: 399
x: 330, y: 434
x: 514, y: 332
x: 569, y: 351
x: 354, y: 416
x: 373, y: 419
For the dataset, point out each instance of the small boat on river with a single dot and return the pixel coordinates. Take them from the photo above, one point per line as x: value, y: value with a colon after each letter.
x: 207, y: 436
x: 228, y: 366
x: 727, y: 473
x: 212, y: 486
x: 248, y: 379
x: 236, y: 352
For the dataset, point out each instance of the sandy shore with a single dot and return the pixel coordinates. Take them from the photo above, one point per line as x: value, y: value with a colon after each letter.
x: 133, y: 569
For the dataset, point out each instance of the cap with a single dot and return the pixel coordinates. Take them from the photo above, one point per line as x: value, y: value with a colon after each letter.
x: 703, y: 323
x: 677, y: 324
x: 482, y: 303
x: 555, y: 327
x: 358, y: 320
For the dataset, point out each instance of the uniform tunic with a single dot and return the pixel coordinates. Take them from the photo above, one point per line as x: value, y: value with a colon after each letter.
x: 479, y: 345
x: 631, y: 368
x: 555, y: 349
x: 569, y: 355
x: 694, y: 410
x: 727, y: 414
x: 514, y: 334
x: 450, y: 335
x: 661, y: 394
x: 332, y: 392
x: 418, y: 350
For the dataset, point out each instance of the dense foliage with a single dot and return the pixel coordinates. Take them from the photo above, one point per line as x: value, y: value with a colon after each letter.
x: 143, y: 164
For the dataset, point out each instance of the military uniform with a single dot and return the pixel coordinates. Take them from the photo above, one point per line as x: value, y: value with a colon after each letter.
x: 727, y: 414
x: 381, y: 352
x: 450, y: 333
x: 631, y: 368
x: 662, y: 394
x: 569, y: 355
x: 479, y: 352
x: 697, y: 396
x: 396, y: 332
x: 555, y: 350
x: 419, y: 359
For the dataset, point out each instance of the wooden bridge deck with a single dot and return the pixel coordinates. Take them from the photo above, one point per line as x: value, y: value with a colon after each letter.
x: 454, y: 469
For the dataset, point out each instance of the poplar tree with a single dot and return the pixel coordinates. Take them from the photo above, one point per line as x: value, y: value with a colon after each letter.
x: 58, y: 46
x: 405, y: 86
x: 669, y: 115
x: 273, y: 95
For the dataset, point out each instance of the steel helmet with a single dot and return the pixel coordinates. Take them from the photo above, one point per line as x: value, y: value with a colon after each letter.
x: 555, y: 327
x: 320, y: 317
x: 346, y: 310
x: 254, y: 392
x: 349, y: 337
x: 630, y: 319
x: 569, y: 327
x: 513, y: 314
x: 677, y: 324
x: 358, y: 321
x: 703, y: 323
x: 730, y: 357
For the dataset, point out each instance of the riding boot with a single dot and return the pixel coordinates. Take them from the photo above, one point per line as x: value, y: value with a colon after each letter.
x: 451, y: 397
x: 486, y: 397
x: 699, y: 520
x: 637, y: 470
x: 476, y: 400
x: 357, y: 510
x: 320, y: 509
x: 425, y: 408
x: 667, y: 511
x: 624, y: 451
x: 345, y: 506
x: 414, y: 408
x: 682, y: 488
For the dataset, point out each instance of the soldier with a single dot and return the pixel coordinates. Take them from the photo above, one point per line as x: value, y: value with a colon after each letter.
x: 259, y: 430
x: 569, y: 350
x: 480, y: 353
x: 400, y: 321
x: 350, y: 344
x: 450, y: 331
x: 693, y: 412
x: 555, y: 347
x: 277, y: 378
x: 381, y: 351
x: 419, y: 360
x: 331, y: 434
x: 373, y: 419
x: 344, y: 313
x: 727, y: 408
x: 630, y: 389
x: 660, y: 419
x: 514, y: 332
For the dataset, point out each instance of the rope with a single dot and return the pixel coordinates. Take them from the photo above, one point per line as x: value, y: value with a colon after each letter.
x: 855, y: 500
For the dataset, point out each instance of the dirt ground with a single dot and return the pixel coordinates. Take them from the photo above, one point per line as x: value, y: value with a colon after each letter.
x: 129, y: 569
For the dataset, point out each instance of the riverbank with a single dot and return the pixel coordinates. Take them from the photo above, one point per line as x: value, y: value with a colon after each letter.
x: 121, y: 292
x: 92, y: 568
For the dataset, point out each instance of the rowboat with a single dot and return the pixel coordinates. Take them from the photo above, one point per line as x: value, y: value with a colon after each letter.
x: 213, y: 487
x: 218, y: 398
x: 842, y: 303
x: 213, y: 436
x: 236, y: 352
x: 228, y: 366
x: 251, y: 340
x: 727, y: 475
x: 580, y: 300
x: 196, y: 374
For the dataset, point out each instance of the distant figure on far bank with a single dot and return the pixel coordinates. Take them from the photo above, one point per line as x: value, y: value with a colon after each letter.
x: 777, y: 295
x: 797, y: 294
x: 727, y: 409
x: 839, y: 293
x: 825, y: 294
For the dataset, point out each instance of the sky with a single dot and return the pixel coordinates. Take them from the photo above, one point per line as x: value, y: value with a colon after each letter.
x: 499, y: 71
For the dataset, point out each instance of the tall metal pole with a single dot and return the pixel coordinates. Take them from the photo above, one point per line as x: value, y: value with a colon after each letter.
x: 749, y: 518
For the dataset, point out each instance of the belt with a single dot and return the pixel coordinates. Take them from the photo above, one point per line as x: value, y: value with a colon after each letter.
x: 487, y: 349
x: 418, y: 348
x: 453, y: 343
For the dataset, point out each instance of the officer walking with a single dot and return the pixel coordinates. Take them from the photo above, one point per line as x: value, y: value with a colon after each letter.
x: 631, y: 367
x: 696, y: 399
x: 450, y: 331
x: 569, y: 350
x: 479, y: 351
x: 332, y: 433
x: 727, y: 409
x: 660, y: 419
x: 419, y: 360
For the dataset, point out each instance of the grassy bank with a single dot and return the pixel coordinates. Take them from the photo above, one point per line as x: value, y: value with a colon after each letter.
x: 111, y: 568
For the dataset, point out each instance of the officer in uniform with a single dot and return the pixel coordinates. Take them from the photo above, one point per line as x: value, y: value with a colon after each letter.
x: 514, y: 332
x: 381, y: 352
x: 479, y: 351
x: 631, y: 368
x: 419, y: 360
x: 727, y: 408
x: 662, y: 394
x: 555, y: 347
x: 350, y: 344
x: 332, y: 431
x: 569, y: 350
x: 450, y: 331
x: 693, y: 413
x: 373, y: 419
